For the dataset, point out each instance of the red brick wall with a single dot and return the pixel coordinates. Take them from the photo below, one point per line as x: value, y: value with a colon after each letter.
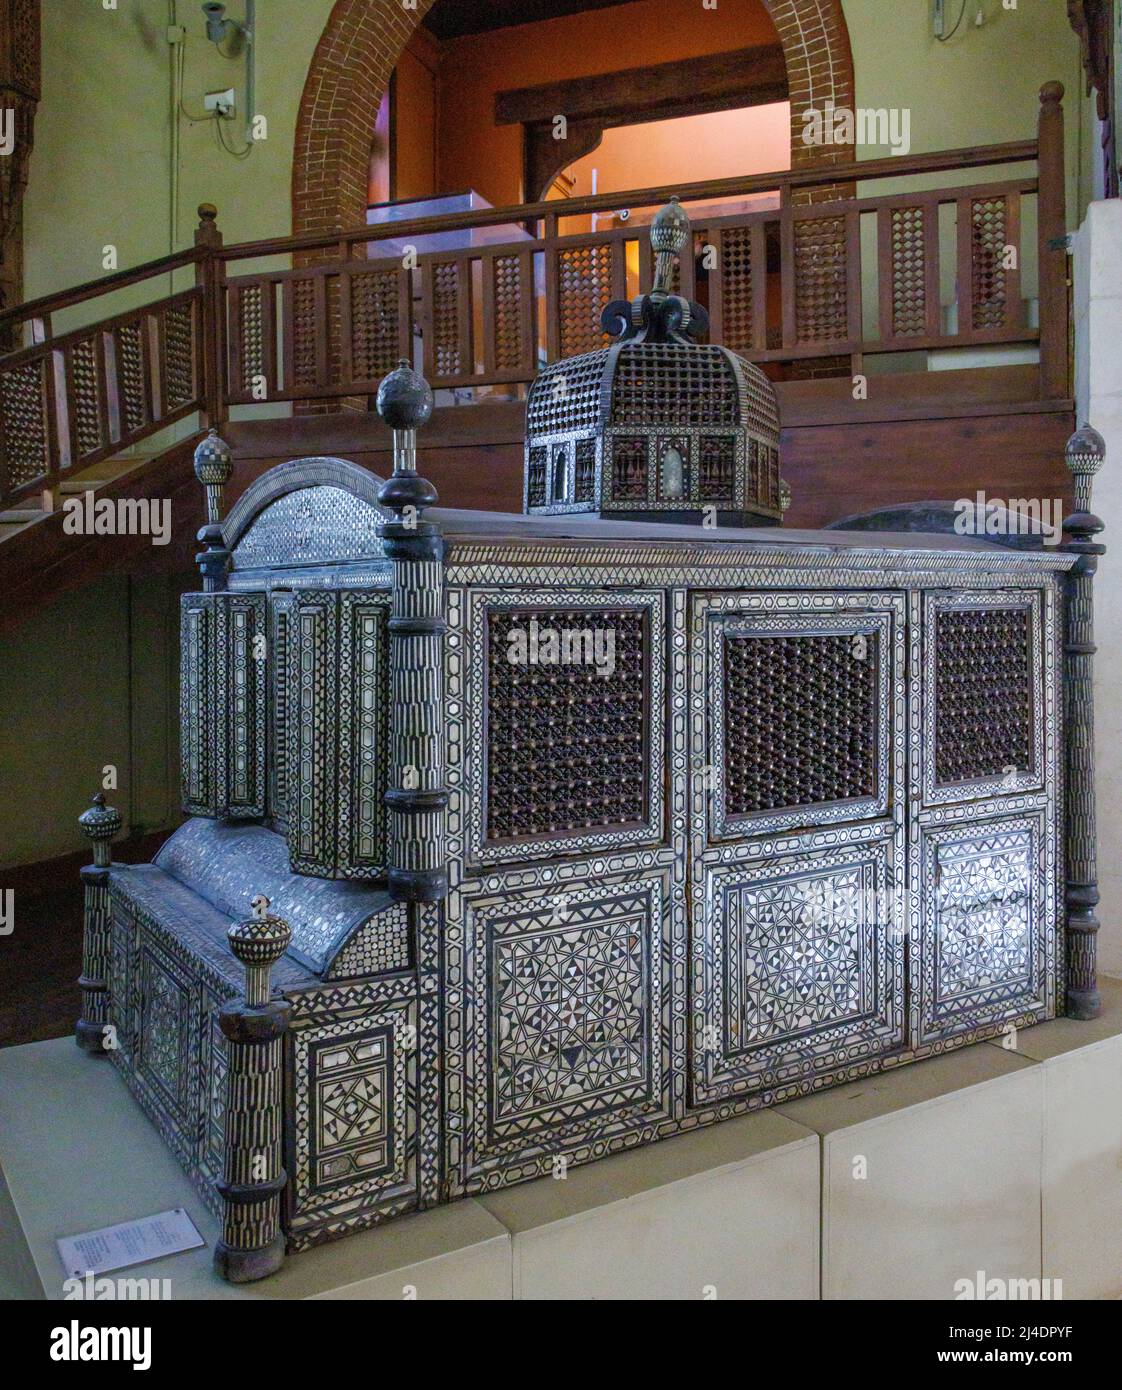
x: 363, y: 40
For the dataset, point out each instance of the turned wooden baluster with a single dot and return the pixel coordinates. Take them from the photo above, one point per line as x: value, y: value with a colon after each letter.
x: 1085, y: 453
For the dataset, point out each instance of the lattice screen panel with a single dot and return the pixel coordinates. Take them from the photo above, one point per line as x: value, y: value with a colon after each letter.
x: 821, y: 270
x: 800, y: 716
x: 375, y: 325
x: 584, y: 286
x: 909, y: 298
x: 737, y: 272
x: 984, y: 706
x: 23, y: 401
x: 566, y: 743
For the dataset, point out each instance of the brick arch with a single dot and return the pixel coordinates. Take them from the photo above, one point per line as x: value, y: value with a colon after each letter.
x: 363, y: 40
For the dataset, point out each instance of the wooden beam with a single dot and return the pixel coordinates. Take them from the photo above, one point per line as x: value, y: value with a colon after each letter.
x: 746, y: 77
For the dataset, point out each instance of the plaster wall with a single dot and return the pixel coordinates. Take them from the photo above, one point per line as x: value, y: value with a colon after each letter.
x: 1098, y: 381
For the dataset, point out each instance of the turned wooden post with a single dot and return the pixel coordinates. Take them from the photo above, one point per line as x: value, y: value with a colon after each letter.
x: 417, y: 798
x: 99, y: 824
x: 1051, y: 228
x: 1085, y: 453
x: 209, y: 273
x: 252, y: 1244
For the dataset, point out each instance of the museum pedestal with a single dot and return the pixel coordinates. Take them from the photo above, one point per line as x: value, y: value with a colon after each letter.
x: 728, y: 1212
x: 987, y: 1159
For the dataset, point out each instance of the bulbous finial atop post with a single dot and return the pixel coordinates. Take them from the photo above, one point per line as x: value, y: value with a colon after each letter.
x: 1084, y: 456
x: 259, y: 942
x: 670, y: 229
x: 405, y: 404
x: 99, y: 825
x: 214, y: 467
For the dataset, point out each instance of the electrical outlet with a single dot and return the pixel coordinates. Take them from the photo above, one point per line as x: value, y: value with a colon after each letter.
x: 940, y: 10
x: 222, y: 102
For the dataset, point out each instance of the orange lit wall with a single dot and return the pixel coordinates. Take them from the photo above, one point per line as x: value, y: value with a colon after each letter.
x: 754, y: 140
x: 416, y: 115
x: 472, y: 152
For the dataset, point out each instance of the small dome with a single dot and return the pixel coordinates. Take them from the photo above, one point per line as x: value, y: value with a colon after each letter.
x: 657, y: 425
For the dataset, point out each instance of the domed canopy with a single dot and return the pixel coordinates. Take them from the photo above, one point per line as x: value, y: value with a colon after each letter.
x: 655, y: 425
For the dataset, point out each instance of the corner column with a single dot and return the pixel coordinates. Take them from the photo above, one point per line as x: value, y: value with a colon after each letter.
x: 252, y: 1244
x: 99, y: 825
x: 417, y: 798
x: 1084, y: 456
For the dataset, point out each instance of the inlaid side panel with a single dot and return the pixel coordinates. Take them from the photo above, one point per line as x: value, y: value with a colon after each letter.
x: 122, y: 948
x: 986, y: 947
x: 337, y: 716
x: 167, y: 1038
x: 223, y: 704
x: 800, y: 965
x: 568, y: 1034
x: 279, y: 710
x: 313, y: 733
x: 242, y: 701
x: 198, y: 713
x: 364, y: 703
x: 353, y: 1130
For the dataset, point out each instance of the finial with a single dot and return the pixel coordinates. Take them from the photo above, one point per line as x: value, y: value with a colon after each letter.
x: 214, y: 467
x: 207, y: 212
x: 1052, y: 92
x: 259, y: 942
x: 405, y: 403
x: 99, y: 825
x: 661, y: 316
x: 1086, y: 450
x: 404, y: 398
x: 669, y: 229
x: 1084, y: 456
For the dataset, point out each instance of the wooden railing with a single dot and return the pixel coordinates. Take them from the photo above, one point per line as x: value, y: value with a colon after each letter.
x: 784, y: 285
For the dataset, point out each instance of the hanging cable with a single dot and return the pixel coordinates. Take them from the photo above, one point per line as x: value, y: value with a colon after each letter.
x: 945, y: 38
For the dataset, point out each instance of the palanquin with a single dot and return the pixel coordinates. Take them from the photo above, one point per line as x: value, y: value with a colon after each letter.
x: 577, y: 834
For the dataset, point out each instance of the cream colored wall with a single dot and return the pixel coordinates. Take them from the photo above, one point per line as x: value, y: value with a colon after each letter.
x: 980, y: 88
x: 101, y: 170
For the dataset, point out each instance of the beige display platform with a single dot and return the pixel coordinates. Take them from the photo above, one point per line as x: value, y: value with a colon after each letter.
x: 78, y: 1154
x: 930, y: 1173
x: 730, y: 1212
x: 1082, y: 1180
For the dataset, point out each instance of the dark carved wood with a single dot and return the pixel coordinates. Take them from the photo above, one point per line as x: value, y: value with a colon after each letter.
x: 1085, y: 456
x: 746, y: 77
x: 1093, y: 21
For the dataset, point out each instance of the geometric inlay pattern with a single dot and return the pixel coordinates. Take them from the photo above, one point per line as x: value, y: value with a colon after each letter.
x: 983, y: 900
x: 568, y: 1028
x: 802, y: 966
x: 804, y: 944
x: 570, y: 1009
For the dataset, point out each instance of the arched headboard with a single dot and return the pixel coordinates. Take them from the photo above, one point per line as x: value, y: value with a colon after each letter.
x: 306, y: 511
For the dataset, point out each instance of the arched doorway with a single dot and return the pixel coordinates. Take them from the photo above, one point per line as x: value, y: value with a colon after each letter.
x: 363, y: 40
